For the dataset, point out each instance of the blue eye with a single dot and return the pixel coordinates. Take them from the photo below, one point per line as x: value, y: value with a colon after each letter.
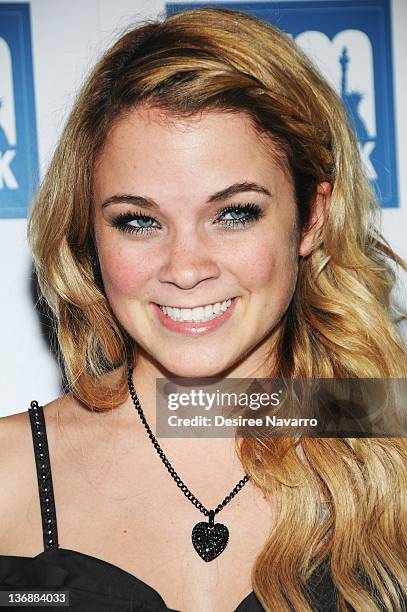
x: 125, y: 223
x: 247, y: 213
x: 140, y: 224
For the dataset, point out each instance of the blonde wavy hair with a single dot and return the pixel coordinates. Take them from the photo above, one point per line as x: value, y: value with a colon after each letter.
x: 339, y: 323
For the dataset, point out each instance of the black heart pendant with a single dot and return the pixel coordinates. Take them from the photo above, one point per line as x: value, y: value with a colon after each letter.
x: 210, y: 540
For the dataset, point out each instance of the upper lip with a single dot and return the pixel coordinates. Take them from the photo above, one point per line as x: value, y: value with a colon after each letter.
x: 198, y: 306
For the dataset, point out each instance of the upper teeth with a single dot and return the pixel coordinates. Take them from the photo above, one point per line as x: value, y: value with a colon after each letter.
x: 201, y: 313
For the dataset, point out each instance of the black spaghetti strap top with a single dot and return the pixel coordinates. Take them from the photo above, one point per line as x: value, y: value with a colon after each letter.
x: 44, y: 476
x: 95, y: 585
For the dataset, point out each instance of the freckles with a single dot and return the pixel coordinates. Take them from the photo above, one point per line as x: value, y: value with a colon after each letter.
x: 124, y: 273
x: 258, y: 263
x: 268, y: 262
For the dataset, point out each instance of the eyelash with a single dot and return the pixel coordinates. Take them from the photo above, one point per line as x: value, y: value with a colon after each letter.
x: 254, y: 212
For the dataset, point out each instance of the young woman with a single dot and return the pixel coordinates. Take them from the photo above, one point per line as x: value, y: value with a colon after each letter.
x: 206, y: 214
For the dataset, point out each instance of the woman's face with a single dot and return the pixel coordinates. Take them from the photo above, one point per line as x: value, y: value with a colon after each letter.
x: 195, y: 214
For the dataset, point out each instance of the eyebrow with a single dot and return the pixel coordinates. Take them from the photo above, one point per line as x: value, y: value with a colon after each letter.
x: 223, y: 194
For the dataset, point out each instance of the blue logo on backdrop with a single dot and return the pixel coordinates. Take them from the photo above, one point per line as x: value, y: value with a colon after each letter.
x: 18, y: 139
x: 350, y: 42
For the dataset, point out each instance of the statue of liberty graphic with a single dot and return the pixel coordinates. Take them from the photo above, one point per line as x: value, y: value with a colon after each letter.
x: 351, y: 101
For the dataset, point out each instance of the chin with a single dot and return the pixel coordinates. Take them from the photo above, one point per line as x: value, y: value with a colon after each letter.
x: 194, y: 368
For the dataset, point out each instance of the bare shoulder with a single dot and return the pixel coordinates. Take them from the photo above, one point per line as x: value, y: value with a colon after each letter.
x: 64, y: 415
x: 16, y: 443
x: 75, y: 435
x: 15, y: 440
x: 20, y: 517
x: 15, y: 432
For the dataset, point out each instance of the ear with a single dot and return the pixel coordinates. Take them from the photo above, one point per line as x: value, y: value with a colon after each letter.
x: 312, y: 232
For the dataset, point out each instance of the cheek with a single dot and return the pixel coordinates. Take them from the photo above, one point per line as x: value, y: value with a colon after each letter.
x: 124, y: 272
x: 270, y: 264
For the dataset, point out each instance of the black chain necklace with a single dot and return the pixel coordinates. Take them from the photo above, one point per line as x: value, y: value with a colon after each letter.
x: 209, y: 540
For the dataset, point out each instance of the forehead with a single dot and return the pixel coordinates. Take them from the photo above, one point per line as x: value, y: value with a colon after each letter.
x: 146, y: 149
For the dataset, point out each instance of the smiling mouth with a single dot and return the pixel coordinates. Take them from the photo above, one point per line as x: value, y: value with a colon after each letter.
x: 199, y: 314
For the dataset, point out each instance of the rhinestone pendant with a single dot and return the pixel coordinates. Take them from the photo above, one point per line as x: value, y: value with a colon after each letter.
x: 210, y: 540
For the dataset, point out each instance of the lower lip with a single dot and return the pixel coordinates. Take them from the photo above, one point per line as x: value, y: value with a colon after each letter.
x: 194, y: 328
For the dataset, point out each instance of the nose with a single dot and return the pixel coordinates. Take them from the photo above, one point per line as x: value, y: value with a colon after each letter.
x: 188, y: 262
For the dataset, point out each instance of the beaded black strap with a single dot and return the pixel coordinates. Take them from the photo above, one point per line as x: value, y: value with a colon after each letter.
x: 44, y: 476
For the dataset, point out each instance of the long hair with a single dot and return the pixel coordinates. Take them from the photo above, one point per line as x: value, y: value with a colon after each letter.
x: 340, y: 322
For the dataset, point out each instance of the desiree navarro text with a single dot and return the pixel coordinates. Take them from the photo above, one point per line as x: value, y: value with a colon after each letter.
x: 220, y: 421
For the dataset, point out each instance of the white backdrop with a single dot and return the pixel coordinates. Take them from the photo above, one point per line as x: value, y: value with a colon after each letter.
x: 67, y: 38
